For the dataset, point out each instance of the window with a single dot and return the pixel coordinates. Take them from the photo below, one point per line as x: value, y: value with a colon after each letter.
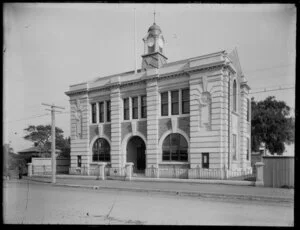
x: 174, y: 102
x: 248, y: 147
x: 101, y: 150
x: 185, y: 100
x: 135, y: 108
x: 143, y: 106
x: 160, y: 49
x: 150, y: 49
x: 164, y: 104
x: 94, y: 111
x: 108, y: 111
x: 175, y: 148
x: 234, y: 146
x: 248, y: 109
x: 205, y: 160
x: 126, y: 108
x: 78, y: 161
x: 101, y: 112
x: 234, y: 95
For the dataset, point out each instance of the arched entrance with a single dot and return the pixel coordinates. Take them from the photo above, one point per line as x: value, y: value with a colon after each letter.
x: 135, y: 153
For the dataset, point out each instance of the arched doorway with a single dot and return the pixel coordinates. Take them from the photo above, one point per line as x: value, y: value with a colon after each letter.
x: 135, y: 153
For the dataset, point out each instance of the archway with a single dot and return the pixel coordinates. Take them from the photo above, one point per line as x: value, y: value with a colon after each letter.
x: 135, y: 153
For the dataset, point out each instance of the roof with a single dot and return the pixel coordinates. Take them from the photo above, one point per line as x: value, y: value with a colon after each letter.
x: 214, y: 58
x: 154, y: 29
x: 36, y: 150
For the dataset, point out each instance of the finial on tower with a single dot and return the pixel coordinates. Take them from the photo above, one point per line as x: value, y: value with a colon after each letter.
x: 154, y: 16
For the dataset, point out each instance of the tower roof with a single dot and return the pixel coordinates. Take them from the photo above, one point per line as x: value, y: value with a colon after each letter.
x: 154, y: 29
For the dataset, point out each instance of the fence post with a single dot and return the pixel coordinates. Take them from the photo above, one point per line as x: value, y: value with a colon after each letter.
x: 101, y: 171
x: 29, y: 169
x: 259, y: 174
x: 128, y: 166
x: 157, y: 171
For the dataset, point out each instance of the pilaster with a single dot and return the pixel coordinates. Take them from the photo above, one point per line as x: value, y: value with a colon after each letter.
x: 116, y: 112
x: 152, y: 157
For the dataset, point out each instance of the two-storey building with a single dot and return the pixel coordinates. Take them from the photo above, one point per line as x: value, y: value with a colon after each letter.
x: 185, y: 119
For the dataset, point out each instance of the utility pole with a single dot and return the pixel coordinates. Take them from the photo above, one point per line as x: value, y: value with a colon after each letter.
x: 53, y: 160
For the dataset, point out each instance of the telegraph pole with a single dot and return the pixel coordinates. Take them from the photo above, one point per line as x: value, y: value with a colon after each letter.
x: 53, y: 161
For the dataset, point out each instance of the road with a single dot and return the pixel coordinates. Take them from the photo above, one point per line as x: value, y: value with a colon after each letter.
x: 34, y: 203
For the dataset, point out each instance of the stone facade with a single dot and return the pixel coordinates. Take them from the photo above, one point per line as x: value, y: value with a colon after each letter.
x: 213, y: 121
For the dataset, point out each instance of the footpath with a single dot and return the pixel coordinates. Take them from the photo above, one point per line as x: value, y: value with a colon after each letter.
x: 172, y: 187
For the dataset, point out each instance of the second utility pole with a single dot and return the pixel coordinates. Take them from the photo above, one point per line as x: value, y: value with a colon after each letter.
x: 53, y: 161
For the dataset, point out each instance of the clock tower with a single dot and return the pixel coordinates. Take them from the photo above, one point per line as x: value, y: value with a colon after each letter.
x: 153, y: 48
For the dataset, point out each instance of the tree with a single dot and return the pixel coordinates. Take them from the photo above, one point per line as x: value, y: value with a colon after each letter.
x: 41, y: 136
x: 65, y: 146
x: 271, y: 123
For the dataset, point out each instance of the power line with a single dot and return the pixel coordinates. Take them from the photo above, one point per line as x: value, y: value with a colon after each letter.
x: 28, y: 118
x: 262, y: 91
x: 268, y: 68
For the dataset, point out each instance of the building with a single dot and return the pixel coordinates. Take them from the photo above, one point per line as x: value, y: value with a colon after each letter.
x: 182, y: 119
x: 36, y: 152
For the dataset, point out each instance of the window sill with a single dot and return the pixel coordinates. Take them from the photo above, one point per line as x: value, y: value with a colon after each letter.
x: 104, y: 123
x: 180, y: 115
x: 96, y: 162
x: 141, y: 119
x: 173, y: 163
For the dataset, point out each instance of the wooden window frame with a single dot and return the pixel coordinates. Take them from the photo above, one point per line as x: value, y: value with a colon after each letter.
x: 144, y: 106
x: 108, y: 111
x: 174, y: 102
x: 135, y: 107
x: 101, y: 112
x: 164, y: 104
x: 94, y: 113
x: 126, y: 108
x: 185, y: 101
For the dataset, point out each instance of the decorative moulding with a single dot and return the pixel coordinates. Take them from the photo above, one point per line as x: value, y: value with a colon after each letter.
x: 204, y: 83
x: 174, y: 122
x: 133, y: 127
x: 100, y: 129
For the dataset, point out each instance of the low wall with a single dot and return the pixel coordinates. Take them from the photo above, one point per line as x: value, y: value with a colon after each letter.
x: 279, y: 171
x: 43, y: 166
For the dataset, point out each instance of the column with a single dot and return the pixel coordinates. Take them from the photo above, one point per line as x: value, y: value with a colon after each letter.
x: 152, y: 158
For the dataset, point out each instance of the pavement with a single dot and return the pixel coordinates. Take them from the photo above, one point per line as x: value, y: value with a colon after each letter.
x: 201, y: 190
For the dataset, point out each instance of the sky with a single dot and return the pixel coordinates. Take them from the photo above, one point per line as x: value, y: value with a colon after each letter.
x: 50, y: 46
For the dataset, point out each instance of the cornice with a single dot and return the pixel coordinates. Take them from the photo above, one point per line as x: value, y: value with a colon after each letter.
x: 203, y: 69
x: 154, y: 77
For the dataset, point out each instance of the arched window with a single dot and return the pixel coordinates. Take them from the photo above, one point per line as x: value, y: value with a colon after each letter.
x: 234, y: 95
x: 101, y: 150
x: 175, y: 148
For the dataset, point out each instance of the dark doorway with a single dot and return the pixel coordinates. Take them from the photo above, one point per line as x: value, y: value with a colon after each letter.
x: 136, y: 154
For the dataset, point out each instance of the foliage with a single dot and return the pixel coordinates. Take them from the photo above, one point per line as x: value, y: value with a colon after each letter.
x: 65, y: 146
x: 271, y: 123
x: 41, y: 136
x: 12, y: 160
